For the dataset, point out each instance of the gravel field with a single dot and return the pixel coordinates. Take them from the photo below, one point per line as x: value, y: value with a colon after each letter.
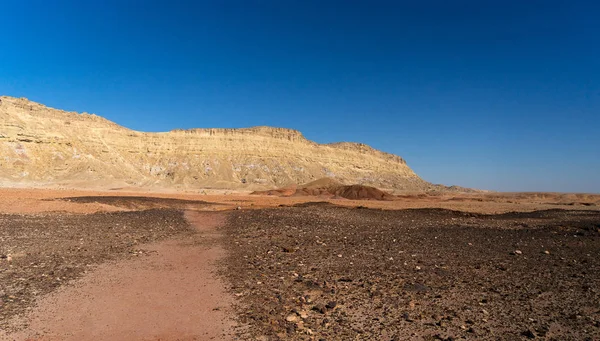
x: 320, y: 272
x: 316, y: 271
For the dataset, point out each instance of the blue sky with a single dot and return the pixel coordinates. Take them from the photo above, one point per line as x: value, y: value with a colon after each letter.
x: 501, y: 95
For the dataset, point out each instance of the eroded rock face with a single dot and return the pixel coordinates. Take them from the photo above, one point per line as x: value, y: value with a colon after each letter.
x: 41, y: 145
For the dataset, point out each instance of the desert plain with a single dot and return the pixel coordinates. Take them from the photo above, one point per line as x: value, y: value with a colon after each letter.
x: 107, y: 233
x: 133, y: 264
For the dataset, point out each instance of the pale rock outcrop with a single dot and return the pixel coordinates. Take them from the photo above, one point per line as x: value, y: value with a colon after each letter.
x: 41, y: 145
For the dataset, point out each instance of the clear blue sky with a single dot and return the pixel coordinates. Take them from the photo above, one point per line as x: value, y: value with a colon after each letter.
x: 501, y: 95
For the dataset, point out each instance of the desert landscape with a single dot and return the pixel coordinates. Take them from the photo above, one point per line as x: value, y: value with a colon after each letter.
x: 261, y: 234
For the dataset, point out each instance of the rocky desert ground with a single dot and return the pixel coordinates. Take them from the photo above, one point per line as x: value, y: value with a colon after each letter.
x: 261, y: 234
x: 212, y: 265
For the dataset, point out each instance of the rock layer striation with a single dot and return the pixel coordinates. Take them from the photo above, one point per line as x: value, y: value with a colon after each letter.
x: 40, y: 145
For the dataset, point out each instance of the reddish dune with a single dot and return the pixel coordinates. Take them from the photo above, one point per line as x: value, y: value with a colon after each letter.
x: 330, y: 188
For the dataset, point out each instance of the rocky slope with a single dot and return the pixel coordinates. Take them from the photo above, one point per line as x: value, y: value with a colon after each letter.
x: 41, y: 146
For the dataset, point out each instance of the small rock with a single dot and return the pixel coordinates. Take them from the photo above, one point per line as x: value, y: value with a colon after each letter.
x: 291, y: 318
x: 331, y: 304
x: 518, y: 252
x: 547, y: 252
x: 528, y: 334
x: 418, y: 287
x: 320, y: 308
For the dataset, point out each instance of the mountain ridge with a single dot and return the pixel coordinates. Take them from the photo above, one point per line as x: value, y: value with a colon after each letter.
x: 39, y: 144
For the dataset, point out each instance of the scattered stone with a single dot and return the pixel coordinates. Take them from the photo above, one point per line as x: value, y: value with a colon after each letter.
x: 417, y: 287
x: 287, y: 249
x: 385, y: 300
x: 528, y: 334
x: 320, y: 308
x: 292, y: 318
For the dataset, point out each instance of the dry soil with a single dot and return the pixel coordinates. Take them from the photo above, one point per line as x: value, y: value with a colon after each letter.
x: 134, y: 265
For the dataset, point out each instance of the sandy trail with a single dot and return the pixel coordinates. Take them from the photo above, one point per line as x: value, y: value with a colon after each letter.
x: 170, y: 293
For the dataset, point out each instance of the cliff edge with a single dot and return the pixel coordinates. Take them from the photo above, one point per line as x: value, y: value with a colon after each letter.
x: 45, y: 146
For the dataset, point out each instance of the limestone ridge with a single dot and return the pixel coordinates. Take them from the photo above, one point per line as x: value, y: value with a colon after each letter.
x: 41, y: 145
x: 290, y: 135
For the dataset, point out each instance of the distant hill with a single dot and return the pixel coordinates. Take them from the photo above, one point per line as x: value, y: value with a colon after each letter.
x: 45, y: 146
x: 330, y: 188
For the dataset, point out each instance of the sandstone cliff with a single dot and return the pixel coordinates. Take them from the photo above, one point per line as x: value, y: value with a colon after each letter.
x: 41, y: 145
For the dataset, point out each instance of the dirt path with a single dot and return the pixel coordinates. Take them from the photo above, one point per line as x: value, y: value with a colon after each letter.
x: 170, y: 293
